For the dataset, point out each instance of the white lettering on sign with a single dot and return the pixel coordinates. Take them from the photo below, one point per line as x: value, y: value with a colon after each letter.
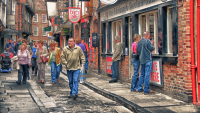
x: 155, y: 76
x: 128, y: 7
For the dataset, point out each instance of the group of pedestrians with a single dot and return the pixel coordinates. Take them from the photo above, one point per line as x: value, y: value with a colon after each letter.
x: 141, y: 49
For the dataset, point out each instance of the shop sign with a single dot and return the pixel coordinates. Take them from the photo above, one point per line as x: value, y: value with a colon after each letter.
x: 63, y: 5
x: 47, y: 28
x: 50, y: 33
x: 74, y: 14
x: 58, y: 20
x: 10, y: 19
x: 128, y: 7
x: 108, y: 65
x: 65, y: 31
x: 156, y: 73
x: 52, y: 22
x: 108, y: 2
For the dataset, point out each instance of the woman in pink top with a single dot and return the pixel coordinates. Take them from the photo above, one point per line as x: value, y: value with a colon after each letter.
x: 24, y: 60
x: 136, y: 63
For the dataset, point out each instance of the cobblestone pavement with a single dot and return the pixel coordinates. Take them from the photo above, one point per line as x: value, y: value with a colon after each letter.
x: 54, y: 98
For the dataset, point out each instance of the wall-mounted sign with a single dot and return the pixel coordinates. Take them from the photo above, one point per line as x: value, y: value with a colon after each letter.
x: 65, y: 31
x: 108, y: 64
x: 58, y: 20
x: 10, y: 19
x: 63, y: 5
x: 50, y: 33
x: 74, y: 14
x: 47, y: 28
x: 156, y: 73
x: 128, y: 7
x: 108, y: 1
x: 52, y: 22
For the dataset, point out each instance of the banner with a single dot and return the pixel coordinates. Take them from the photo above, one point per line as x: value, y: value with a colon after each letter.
x: 108, y: 2
x: 74, y: 14
x: 63, y: 5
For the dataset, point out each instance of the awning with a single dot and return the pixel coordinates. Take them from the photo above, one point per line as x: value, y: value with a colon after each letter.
x: 10, y: 32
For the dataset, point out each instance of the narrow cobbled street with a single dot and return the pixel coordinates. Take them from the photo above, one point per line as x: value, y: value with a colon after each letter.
x: 35, y: 97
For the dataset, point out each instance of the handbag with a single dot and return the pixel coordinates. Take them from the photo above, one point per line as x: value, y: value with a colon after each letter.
x: 44, y: 59
x: 135, y: 56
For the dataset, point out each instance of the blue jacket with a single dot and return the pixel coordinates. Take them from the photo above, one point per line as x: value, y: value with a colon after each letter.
x: 10, y: 45
x: 144, y: 48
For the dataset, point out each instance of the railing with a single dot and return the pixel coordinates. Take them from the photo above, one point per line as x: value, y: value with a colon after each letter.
x: 31, y: 4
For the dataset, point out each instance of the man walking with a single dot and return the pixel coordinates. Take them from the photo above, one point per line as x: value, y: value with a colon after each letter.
x: 144, y: 48
x: 10, y: 46
x: 71, y: 57
x: 115, y: 59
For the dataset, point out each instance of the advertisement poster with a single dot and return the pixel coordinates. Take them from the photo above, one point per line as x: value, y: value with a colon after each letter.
x: 108, y: 65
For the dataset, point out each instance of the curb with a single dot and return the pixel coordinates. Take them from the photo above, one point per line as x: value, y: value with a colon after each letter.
x: 126, y: 103
x: 36, y: 99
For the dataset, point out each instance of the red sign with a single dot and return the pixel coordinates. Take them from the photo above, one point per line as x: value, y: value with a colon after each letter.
x: 74, y: 14
x: 108, y: 65
x: 156, y: 73
x: 52, y: 22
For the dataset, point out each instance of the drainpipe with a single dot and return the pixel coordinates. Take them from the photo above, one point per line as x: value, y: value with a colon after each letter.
x: 198, y: 47
x: 193, y: 66
x: 99, y: 40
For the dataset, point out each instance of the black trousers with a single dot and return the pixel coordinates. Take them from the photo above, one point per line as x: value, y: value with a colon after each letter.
x: 34, y: 65
x: 24, y: 69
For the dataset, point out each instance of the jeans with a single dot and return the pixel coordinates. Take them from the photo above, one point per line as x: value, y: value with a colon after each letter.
x: 114, y: 69
x: 86, y: 63
x: 55, y: 72
x: 73, y: 76
x: 135, y: 79
x: 145, y: 76
x: 34, y: 65
x: 23, y: 69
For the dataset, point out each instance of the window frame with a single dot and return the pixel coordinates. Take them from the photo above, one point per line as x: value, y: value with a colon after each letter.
x: 43, y: 31
x: 169, y: 28
x: 34, y: 31
x: 34, y: 18
x: 44, y: 15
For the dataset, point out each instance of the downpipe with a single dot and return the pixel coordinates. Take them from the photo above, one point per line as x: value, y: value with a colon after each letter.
x: 198, y: 47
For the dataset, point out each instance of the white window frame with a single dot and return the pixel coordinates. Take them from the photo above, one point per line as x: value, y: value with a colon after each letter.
x: 34, y: 32
x: 148, y: 28
x: 34, y: 18
x: 44, y: 15
x: 13, y: 7
x: 169, y: 32
x: 118, y: 22
x: 106, y: 36
x: 43, y: 31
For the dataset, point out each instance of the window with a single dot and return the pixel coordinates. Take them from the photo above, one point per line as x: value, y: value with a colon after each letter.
x: 148, y: 22
x: 44, y: 18
x: 35, y: 18
x: 169, y: 31
x: 13, y: 7
x: 44, y: 33
x: 116, y: 31
x: 35, y: 31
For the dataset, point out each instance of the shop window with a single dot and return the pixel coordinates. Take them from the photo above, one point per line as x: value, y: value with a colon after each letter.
x: 169, y: 32
x: 44, y: 33
x: 104, y: 37
x: 44, y: 18
x: 148, y: 22
x: 35, y: 31
x: 116, y: 31
x: 35, y: 18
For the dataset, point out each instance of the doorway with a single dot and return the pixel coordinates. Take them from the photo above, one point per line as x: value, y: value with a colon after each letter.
x: 131, y: 70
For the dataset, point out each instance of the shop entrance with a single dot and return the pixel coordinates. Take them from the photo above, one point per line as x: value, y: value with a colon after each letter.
x: 131, y: 70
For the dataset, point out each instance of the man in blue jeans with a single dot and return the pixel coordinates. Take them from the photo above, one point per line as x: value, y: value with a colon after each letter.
x: 144, y: 48
x: 115, y: 59
x: 71, y: 57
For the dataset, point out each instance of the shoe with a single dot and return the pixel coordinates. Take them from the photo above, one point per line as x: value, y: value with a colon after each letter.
x: 70, y: 96
x: 85, y: 71
x: 19, y: 83
x: 149, y: 93
x: 40, y: 81
x: 24, y: 82
x: 57, y: 80
x: 75, y: 96
x: 53, y: 83
x: 113, y: 80
x: 134, y: 91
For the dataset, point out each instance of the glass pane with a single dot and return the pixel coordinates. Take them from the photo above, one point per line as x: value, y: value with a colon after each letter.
x: 170, y: 10
x: 151, y: 26
x: 143, y: 24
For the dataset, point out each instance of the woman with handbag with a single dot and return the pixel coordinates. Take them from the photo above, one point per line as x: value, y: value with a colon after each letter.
x: 136, y: 63
x: 24, y: 60
x: 41, y: 54
x: 55, y: 62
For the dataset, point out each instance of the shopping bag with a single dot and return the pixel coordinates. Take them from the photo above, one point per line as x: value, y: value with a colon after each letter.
x: 82, y: 75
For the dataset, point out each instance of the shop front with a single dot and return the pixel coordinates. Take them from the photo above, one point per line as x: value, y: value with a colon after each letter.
x: 160, y: 18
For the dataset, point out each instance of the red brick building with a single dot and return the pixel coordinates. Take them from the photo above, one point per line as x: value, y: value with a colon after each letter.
x: 39, y: 21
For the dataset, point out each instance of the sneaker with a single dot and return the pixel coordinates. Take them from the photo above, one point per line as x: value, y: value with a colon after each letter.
x: 113, y: 80
x: 75, y: 96
x: 70, y: 96
x: 19, y: 83
x: 149, y: 93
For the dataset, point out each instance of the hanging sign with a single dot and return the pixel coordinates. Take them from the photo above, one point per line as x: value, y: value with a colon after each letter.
x: 47, y: 28
x: 58, y: 20
x: 74, y: 14
x: 52, y: 22
x: 108, y: 2
x: 63, y: 5
x: 156, y: 73
x: 65, y: 31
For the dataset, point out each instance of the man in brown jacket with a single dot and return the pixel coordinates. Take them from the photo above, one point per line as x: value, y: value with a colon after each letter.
x: 71, y: 57
x: 115, y: 59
